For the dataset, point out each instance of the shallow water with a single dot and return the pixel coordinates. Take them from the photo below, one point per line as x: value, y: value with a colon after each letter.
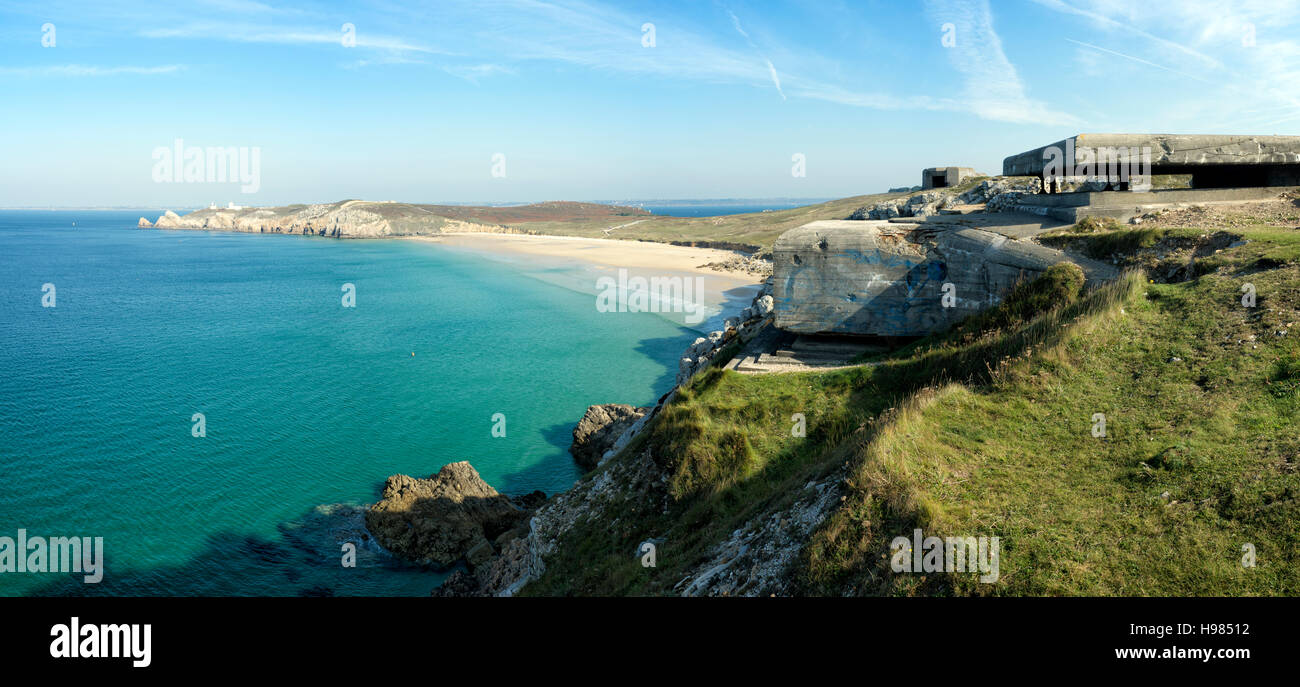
x: 307, y: 404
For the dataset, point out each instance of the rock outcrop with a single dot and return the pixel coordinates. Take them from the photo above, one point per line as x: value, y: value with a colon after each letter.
x: 168, y: 220
x: 374, y: 219
x: 599, y: 429
x: 637, y: 477
x: 144, y: 223
x: 920, y: 205
x: 439, y: 521
x: 755, y: 264
x: 997, y: 192
x: 756, y: 559
x: 705, y: 349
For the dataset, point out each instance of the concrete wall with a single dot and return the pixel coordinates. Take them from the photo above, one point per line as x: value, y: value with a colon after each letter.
x: 886, y: 279
x: 1212, y: 161
x: 1125, y: 205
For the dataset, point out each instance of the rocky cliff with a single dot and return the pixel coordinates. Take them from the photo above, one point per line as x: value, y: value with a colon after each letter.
x: 378, y: 219
x: 599, y: 430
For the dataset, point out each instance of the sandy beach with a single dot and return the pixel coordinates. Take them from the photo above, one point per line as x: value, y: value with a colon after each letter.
x: 609, y: 252
x: 724, y: 293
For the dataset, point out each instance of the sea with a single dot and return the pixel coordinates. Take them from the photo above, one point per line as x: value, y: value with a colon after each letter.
x: 209, y: 405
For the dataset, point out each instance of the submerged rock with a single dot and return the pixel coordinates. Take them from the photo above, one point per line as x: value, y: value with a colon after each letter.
x: 442, y: 519
x: 598, y: 430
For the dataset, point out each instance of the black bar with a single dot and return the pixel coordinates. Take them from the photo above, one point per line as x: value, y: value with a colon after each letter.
x: 932, y: 636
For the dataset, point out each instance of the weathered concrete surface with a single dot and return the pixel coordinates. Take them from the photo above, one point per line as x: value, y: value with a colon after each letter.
x: 1125, y: 205
x: 1213, y: 161
x: 1016, y: 225
x: 943, y: 177
x: 1171, y: 149
x: 886, y: 279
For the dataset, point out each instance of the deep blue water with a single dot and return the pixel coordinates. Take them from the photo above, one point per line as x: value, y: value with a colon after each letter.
x: 308, y: 404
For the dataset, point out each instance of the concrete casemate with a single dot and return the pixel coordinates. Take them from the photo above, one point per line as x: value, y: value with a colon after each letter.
x: 945, y: 177
x: 1213, y: 161
x: 881, y: 278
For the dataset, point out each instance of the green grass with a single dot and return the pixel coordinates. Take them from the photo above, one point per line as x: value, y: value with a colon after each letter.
x: 758, y: 229
x: 1091, y: 225
x: 1199, y: 459
x: 1059, y: 286
x: 988, y: 430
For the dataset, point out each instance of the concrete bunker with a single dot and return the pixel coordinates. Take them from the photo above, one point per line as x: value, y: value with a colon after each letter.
x: 1212, y: 161
x: 944, y: 177
x: 888, y: 279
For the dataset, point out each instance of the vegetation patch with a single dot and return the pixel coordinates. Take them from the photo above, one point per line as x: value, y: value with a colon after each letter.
x: 1123, y: 441
x: 1284, y: 381
x: 1060, y: 285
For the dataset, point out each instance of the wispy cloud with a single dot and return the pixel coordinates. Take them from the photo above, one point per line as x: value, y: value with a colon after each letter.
x: 1242, y: 48
x: 473, y: 72
x: 1138, y: 60
x: 992, y: 87
x: 771, y: 68
x: 251, y: 33
x: 875, y: 101
x: 605, y: 37
x: 87, y: 70
x: 776, y: 80
x: 1100, y: 18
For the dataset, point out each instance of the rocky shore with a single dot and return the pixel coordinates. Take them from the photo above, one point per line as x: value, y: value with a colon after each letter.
x: 996, y: 194
x: 455, y: 516
x: 346, y: 219
x: 449, y: 517
x: 599, y: 430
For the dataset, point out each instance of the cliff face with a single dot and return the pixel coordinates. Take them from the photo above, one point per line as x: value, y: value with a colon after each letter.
x: 378, y: 219
x: 352, y: 218
x: 599, y: 429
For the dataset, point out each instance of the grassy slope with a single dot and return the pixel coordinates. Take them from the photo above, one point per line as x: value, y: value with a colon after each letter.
x: 757, y: 229
x: 990, y: 434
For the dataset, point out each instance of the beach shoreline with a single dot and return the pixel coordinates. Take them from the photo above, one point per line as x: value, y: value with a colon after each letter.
x: 552, y: 259
x: 608, y: 252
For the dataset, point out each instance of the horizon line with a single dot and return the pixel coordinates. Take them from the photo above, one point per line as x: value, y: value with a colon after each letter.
x: 644, y: 201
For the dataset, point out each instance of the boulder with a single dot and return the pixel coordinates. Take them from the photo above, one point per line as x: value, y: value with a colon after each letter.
x: 598, y: 430
x: 986, y: 191
x: 442, y: 519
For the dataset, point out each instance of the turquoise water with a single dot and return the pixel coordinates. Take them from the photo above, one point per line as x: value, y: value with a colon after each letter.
x: 308, y: 404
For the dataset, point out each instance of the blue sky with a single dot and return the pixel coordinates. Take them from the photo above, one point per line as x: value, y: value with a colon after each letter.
x: 581, y: 109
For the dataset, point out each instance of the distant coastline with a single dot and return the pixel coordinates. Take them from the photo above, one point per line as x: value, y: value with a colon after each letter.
x: 634, y: 203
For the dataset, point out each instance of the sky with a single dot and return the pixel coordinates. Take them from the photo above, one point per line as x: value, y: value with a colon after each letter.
x: 532, y: 100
